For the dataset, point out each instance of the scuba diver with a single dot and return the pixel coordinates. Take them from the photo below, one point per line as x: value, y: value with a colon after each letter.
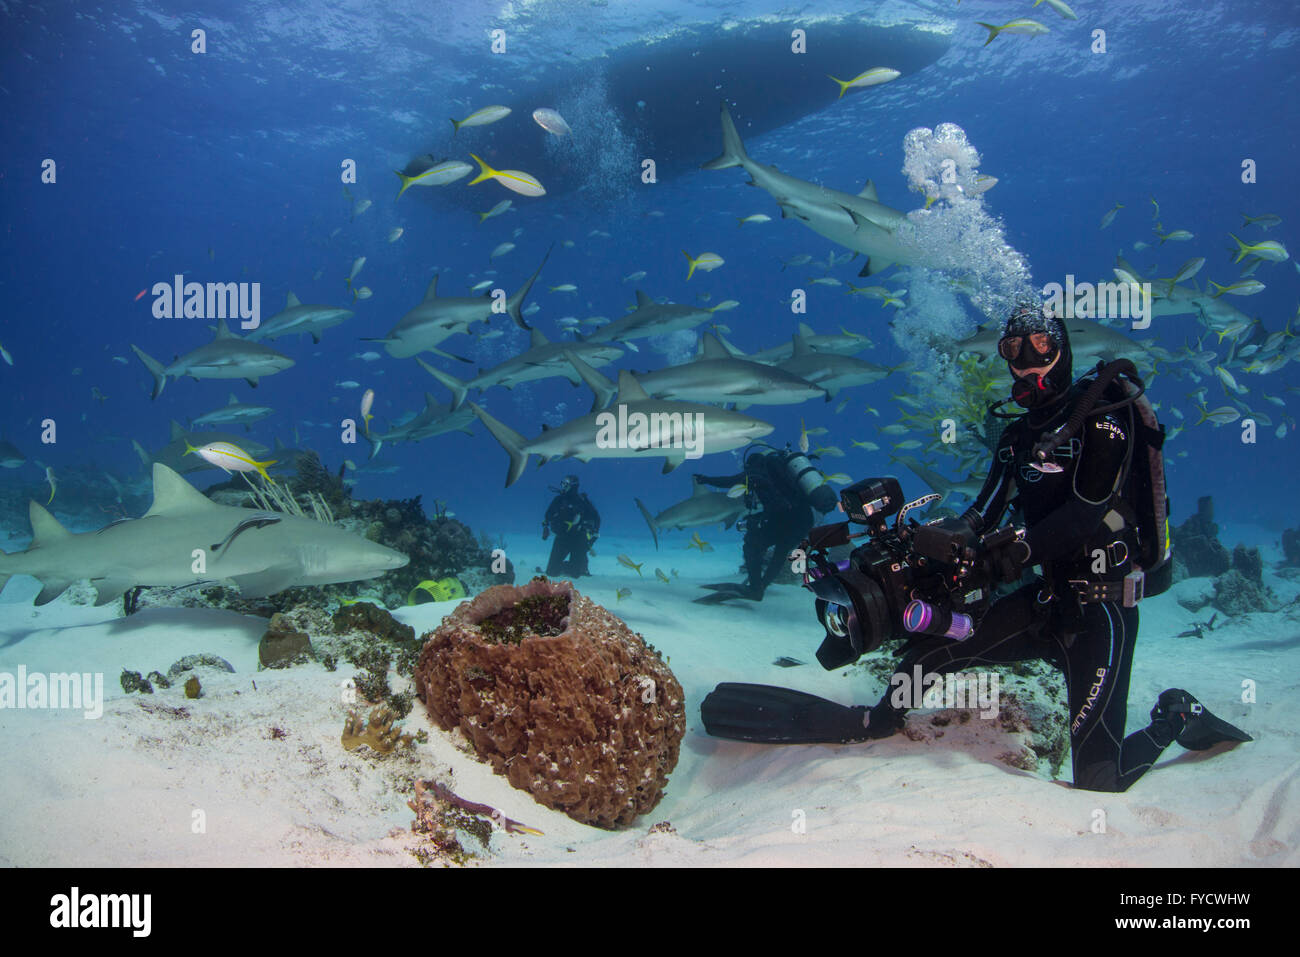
x: 784, y: 484
x: 1079, y: 471
x: 576, y: 524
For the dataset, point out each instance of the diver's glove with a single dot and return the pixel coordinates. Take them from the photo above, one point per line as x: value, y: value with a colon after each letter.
x: 1004, y: 553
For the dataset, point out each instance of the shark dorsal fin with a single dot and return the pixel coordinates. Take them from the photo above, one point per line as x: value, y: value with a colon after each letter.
x: 292, y: 301
x: 234, y: 400
x: 629, y: 390
x: 178, y: 431
x: 806, y: 330
x: 432, y: 291
x: 278, y: 444
x: 700, y: 489
x: 536, y: 338
x: 800, y: 345
x: 172, y: 495
x: 46, y: 529
x: 642, y: 300
x: 711, y: 348
x: 429, y: 401
x: 869, y: 192
x: 222, y: 331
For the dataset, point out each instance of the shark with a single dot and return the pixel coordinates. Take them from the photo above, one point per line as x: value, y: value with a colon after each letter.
x: 845, y: 344
x: 258, y: 552
x: 705, y: 506
x: 855, y: 221
x: 297, y: 318
x: 173, y: 454
x: 966, y: 488
x: 584, y: 438
x: 715, y: 377
x: 542, y: 360
x: 651, y: 318
x: 227, y: 356
x: 828, y: 370
x: 234, y: 412
x: 434, y: 419
x: 438, y: 317
x: 10, y: 457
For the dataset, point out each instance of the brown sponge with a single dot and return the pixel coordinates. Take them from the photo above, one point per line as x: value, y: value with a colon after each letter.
x: 560, y: 696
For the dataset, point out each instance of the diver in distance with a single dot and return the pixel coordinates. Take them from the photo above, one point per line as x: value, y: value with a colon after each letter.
x: 1080, y: 476
x: 784, y: 484
x: 576, y: 525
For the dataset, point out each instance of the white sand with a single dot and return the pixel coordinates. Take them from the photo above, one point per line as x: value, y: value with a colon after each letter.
x: 123, y: 789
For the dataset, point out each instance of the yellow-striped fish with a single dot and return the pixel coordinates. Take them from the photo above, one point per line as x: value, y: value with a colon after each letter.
x: 489, y: 114
x: 230, y: 458
x: 511, y: 179
x: 628, y: 563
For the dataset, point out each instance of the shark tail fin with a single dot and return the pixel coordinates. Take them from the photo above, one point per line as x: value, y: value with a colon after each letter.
x: 510, y: 440
x: 599, y: 383
x: 649, y: 520
x: 517, y: 300
x: 454, y: 385
x: 733, y: 150
x: 156, y: 370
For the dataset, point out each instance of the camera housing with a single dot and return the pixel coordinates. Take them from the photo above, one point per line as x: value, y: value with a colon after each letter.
x: 861, y: 600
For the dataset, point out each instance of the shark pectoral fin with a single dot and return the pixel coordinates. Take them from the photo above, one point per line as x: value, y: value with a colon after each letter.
x: 874, y: 265
x: 263, y: 583
x: 51, y: 590
x: 448, y: 355
x: 252, y: 381
x: 673, y: 460
x: 109, y: 590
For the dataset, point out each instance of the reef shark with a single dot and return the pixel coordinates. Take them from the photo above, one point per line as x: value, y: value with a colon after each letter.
x: 542, y: 360
x: 259, y: 552
x: 715, y: 377
x: 234, y: 412
x: 226, y: 357
x: 967, y: 488
x: 704, y: 507
x: 829, y: 370
x: 651, y: 318
x: 608, y: 435
x: 434, y: 419
x: 438, y: 317
x: 295, y: 317
x: 845, y: 344
x: 10, y: 457
x: 858, y: 222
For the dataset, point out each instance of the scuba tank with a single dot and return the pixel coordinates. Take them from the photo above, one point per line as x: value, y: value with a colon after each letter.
x: 800, y: 473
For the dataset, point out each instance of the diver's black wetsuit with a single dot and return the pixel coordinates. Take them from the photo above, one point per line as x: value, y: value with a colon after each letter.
x: 1067, y: 516
x: 784, y: 522
x: 575, y: 522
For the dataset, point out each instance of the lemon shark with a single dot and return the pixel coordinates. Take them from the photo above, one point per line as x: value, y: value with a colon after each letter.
x: 297, y: 318
x: 859, y: 222
x: 227, y: 356
x: 681, y: 428
x: 438, y: 317
x: 705, y: 506
x: 259, y: 552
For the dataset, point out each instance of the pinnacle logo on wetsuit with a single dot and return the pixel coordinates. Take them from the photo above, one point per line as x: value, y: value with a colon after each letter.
x: 1093, y: 694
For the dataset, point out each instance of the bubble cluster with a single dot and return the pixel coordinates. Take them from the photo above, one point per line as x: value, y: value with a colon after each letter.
x: 598, y: 146
x: 955, y: 234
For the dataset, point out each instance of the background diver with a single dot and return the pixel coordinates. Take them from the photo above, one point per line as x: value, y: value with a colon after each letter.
x: 1072, y: 500
x: 576, y: 525
x: 785, y: 488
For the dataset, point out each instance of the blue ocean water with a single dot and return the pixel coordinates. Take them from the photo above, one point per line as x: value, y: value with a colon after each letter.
x: 226, y: 166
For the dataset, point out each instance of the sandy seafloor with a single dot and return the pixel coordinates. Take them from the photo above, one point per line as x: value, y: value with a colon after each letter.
x: 122, y: 790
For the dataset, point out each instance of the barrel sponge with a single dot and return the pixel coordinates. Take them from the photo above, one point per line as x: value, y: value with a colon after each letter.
x: 558, y: 695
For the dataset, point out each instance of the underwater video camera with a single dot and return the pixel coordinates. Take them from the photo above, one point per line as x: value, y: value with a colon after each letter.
x: 907, y: 579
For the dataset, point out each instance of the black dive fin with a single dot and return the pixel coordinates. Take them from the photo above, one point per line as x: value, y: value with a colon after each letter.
x: 771, y: 715
x: 1200, y: 728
